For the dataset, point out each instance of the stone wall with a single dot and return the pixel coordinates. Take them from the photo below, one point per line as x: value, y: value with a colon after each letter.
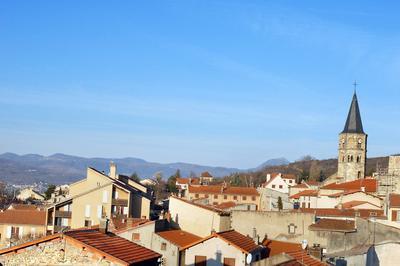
x: 52, y: 253
x: 286, y: 226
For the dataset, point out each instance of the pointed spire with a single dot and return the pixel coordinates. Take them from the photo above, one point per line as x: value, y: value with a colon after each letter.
x: 353, y: 122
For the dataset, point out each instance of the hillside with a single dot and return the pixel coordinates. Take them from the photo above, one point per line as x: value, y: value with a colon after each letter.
x: 61, y: 168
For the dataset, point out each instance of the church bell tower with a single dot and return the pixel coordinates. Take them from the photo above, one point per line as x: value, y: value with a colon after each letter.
x: 352, y: 146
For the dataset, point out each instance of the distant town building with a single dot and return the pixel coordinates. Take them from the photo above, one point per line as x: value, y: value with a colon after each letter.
x: 29, y: 193
x: 217, y: 194
x: 280, y: 182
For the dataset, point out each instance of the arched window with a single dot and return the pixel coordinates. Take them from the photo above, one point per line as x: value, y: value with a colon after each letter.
x: 352, y: 158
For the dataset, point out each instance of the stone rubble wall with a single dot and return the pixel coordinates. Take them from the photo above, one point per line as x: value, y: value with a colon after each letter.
x: 52, y: 253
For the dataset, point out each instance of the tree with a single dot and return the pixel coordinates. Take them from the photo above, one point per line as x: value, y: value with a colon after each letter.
x: 306, y: 158
x: 171, y: 184
x: 135, y: 177
x: 177, y: 174
x: 280, y: 203
x: 50, y: 190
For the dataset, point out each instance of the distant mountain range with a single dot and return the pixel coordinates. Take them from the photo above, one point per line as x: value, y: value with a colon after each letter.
x: 61, y: 168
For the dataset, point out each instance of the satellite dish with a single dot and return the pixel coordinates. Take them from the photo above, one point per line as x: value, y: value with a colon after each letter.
x: 249, y: 258
x: 304, y: 244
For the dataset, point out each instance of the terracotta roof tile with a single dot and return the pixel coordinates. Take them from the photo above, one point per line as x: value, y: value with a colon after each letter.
x: 370, y: 185
x: 225, y: 205
x: 193, y: 181
x: 228, y: 190
x: 308, y: 192
x: 355, y: 203
x: 288, y: 176
x: 244, y: 242
x: 23, y: 216
x: 276, y: 247
x: 333, y: 225
x: 302, y: 257
x: 115, y: 246
x: 206, y: 174
x: 394, y: 200
x: 294, y: 250
x: 207, y: 207
x: 179, y: 238
x: 313, y: 183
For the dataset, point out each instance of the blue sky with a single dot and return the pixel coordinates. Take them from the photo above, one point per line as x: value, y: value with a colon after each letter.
x: 230, y: 83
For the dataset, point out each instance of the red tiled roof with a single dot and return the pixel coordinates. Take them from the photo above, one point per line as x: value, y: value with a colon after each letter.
x: 302, y: 257
x: 115, y: 246
x: 394, y: 200
x: 219, y: 190
x: 288, y: 176
x: 241, y: 242
x: 343, y: 212
x: 313, y: 183
x: 225, y: 205
x: 333, y: 225
x: 206, y: 174
x: 237, y: 239
x: 207, y: 207
x: 193, y: 181
x: 370, y: 185
x: 305, y: 193
x: 294, y: 250
x: 276, y: 247
x: 23, y: 216
x: 124, y: 224
x: 355, y: 203
x: 179, y: 238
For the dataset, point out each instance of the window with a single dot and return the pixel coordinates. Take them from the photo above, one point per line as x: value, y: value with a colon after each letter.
x: 292, y: 229
x: 235, y: 197
x: 244, y: 198
x: 196, y: 196
x: 88, y: 223
x: 200, y: 261
x: 253, y: 198
x: 273, y: 186
x: 15, y: 231
x: 99, y: 211
x: 225, y: 197
x: 207, y: 196
x: 229, y: 262
x: 33, y: 232
x: 163, y: 246
x: 215, y: 196
x: 358, y: 159
x: 248, y: 207
x: 359, y: 174
x: 290, y: 181
x: 135, y: 236
x: 280, y: 186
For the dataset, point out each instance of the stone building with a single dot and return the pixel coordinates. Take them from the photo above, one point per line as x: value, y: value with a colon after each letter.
x: 352, y: 146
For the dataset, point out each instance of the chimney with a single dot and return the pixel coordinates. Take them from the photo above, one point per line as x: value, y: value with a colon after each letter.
x: 103, y: 226
x: 113, y: 170
x: 363, y: 189
x: 255, y: 237
x: 268, y: 177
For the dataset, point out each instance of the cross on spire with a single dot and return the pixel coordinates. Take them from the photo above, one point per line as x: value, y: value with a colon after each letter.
x: 355, y: 85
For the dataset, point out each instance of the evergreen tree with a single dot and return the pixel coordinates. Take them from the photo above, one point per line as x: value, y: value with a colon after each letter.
x: 280, y: 203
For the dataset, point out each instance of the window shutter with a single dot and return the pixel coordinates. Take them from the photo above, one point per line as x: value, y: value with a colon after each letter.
x: 99, y: 211
x: 8, y: 235
x: 105, y: 196
x: 87, y: 211
x: 394, y: 215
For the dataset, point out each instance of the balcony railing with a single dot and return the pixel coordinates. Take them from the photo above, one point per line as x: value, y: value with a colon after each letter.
x: 119, y: 202
x: 63, y: 214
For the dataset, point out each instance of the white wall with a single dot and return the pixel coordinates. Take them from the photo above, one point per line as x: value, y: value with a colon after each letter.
x: 215, y: 250
x: 195, y: 219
